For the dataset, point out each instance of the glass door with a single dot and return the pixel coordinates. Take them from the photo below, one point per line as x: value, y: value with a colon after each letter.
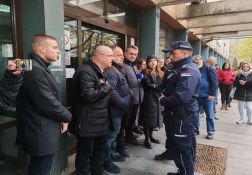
x: 93, y: 36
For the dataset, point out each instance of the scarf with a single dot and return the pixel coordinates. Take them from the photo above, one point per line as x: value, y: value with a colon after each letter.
x: 246, y: 73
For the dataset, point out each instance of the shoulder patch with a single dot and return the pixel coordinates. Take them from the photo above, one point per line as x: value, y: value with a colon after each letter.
x: 185, y: 74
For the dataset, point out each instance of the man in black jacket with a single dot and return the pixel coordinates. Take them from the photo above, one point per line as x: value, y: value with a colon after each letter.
x: 92, y: 121
x: 41, y: 117
x: 9, y: 85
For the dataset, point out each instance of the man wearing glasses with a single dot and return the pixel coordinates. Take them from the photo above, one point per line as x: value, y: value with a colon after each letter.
x: 181, y: 87
x: 91, y: 121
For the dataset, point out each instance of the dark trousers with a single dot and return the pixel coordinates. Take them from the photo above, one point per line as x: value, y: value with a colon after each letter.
x: 120, y: 139
x: 90, y: 155
x: 225, y: 90
x: 183, y: 143
x: 131, y: 120
x: 40, y: 165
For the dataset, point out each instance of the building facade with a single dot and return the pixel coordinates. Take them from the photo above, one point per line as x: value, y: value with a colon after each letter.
x: 79, y: 26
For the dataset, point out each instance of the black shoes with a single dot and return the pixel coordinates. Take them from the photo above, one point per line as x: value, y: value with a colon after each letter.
x: 196, y: 131
x: 132, y: 140
x: 123, y: 152
x: 118, y: 158
x: 167, y: 155
x: 154, y: 140
x: 138, y: 130
x: 147, y: 144
x: 210, y: 136
x: 111, y: 168
x: 177, y: 173
x: 173, y: 174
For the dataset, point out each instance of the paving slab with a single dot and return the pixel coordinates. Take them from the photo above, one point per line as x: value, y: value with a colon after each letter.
x: 237, y: 138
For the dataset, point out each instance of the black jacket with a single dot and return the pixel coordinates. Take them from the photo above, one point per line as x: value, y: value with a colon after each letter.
x: 39, y: 110
x: 150, y: 111
x: 243, y: 92
x: 120, y: 92
x: 9, y: 87
x: 90, y: 108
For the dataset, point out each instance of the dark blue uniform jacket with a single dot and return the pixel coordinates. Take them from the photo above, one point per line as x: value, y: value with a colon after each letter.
x: 181, y: 86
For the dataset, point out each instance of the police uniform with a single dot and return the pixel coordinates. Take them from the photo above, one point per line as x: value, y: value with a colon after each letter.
x: 180, y: 86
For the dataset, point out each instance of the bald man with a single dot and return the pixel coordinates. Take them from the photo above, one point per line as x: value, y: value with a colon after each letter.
x: 91, y: 122
x: 40, y: 114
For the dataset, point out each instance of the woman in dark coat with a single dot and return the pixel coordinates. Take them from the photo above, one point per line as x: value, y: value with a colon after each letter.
x: 243, y: 93
x: 150, y: 109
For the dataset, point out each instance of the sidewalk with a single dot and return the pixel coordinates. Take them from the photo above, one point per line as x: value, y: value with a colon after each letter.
x: 236, y: 138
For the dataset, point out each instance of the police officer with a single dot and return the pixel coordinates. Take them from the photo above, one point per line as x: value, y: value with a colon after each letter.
x: 180, y: 91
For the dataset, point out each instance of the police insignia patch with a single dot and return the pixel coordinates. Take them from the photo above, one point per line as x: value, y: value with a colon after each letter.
x: 185, y: 74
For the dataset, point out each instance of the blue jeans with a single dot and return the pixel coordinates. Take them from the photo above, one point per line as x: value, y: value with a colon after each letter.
x: 207, y: 105
x: 40, y: 165
x: 111, y: 144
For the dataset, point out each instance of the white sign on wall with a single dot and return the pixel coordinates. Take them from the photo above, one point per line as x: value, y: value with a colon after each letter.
x: 7, y: 50
x: 132, y: 41
x: 67, y: 40
x: 67, y: 57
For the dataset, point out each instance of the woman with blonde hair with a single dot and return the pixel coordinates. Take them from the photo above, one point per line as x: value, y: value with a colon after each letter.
x: 243, y: 93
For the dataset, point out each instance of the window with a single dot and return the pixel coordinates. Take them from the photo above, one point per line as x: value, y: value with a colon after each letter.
x: 7, y: 45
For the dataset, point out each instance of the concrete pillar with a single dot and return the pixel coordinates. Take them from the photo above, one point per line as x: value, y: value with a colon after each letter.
x: 47, y: 17
x: 223, y: 60
x: 218, y: 60
x: 204, y: 52
x: 196, y: 47
x: 150, y: 20
x: 181, y: 35
x: 216, y: 55
x: 169, y: 38
x: 211, y: 52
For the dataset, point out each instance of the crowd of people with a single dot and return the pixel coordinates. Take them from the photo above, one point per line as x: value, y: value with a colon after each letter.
x: 116, y: 97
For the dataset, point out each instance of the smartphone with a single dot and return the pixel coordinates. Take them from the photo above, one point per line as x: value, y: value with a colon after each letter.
x: 24, y: 65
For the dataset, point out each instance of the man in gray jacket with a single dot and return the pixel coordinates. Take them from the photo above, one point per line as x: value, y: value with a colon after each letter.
x: 119, y: 100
